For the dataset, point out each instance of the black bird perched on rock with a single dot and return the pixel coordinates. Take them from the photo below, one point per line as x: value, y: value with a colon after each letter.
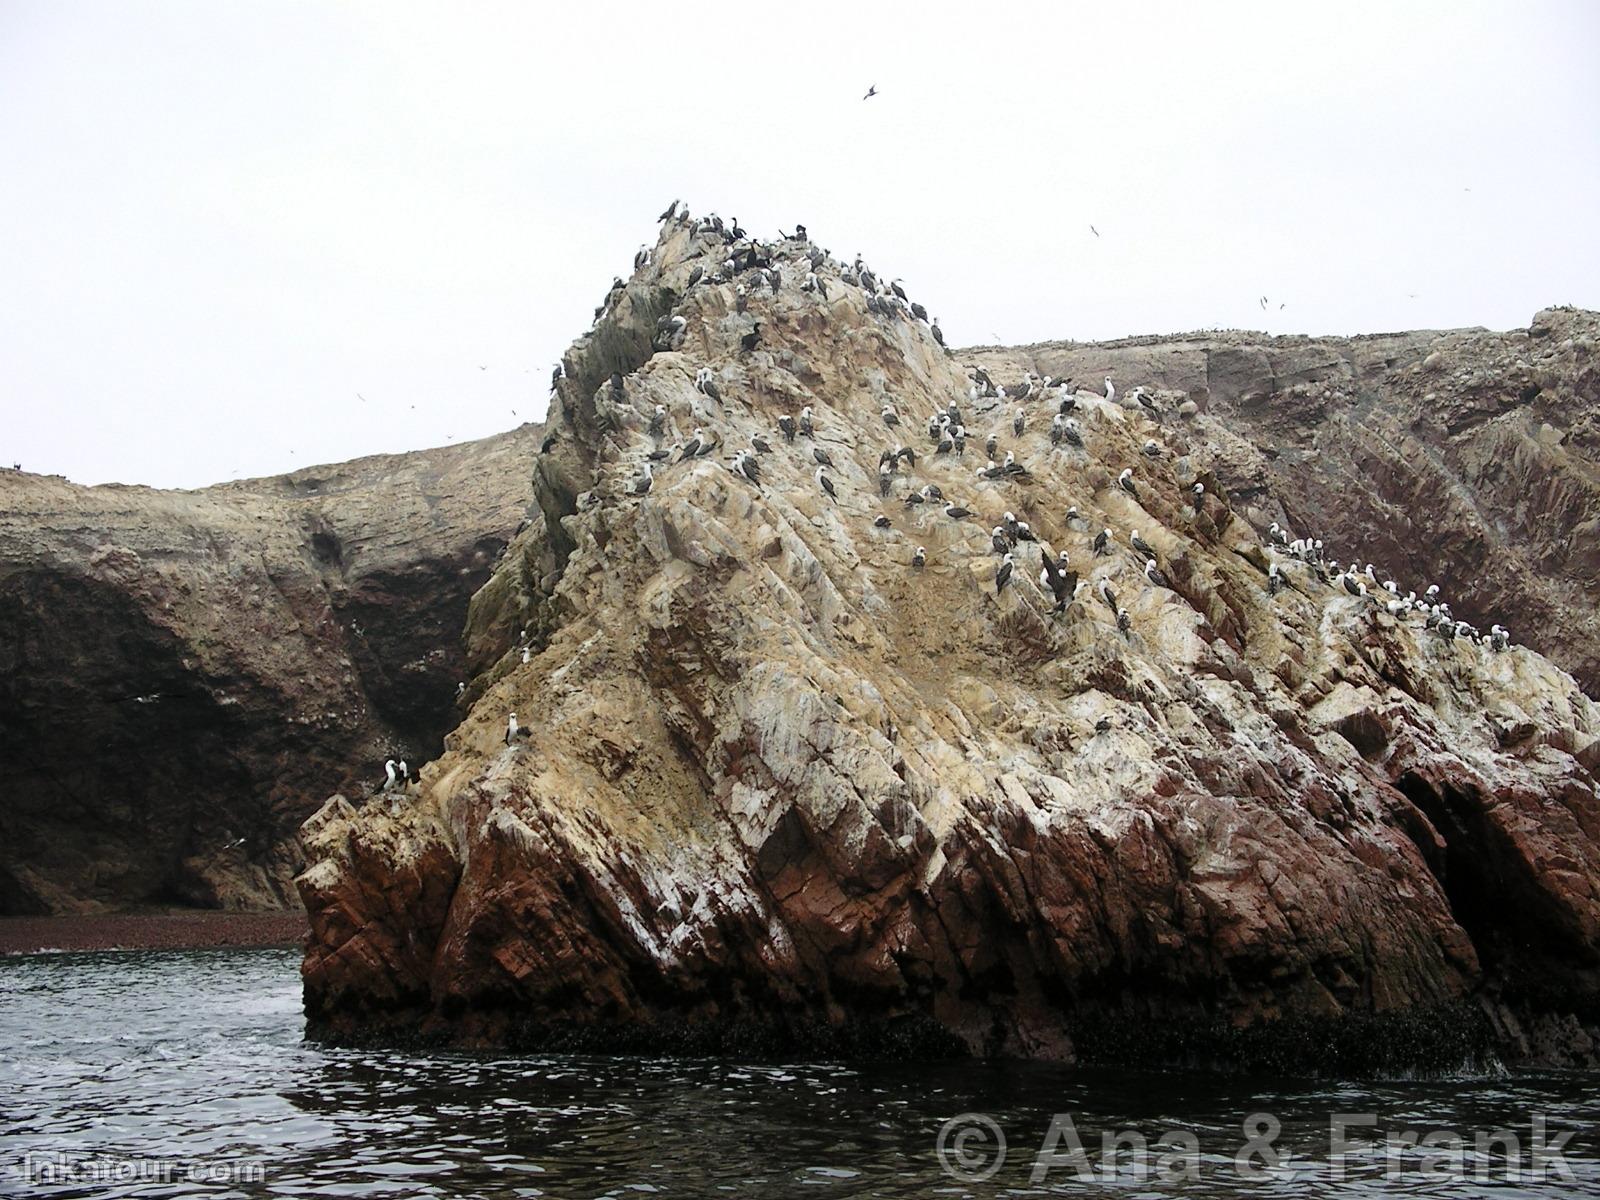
x: 749, y: 466
x: 786, y: 427
x: 672, y: 211
x: 1070, y: 432
x: 918, y: 311
x: 998, y: 539
x: 938, y: 334
x: 1003, y: 575
x: 1125, y: 482
x: 752, y: 339
x: 880, y: 522
x: 1142, y: 546
x: 555, y: 377
x: 1154, y: 575
x: 1061, y: 582
x: 695, y: 276
x: 691, y: 447
x: 826, y: 485
x: 760, y: 444
x: 821, y: 455
x: 1109, y: 596
x: 710, y: 389
x: 955, y: 512
x: 931, y: 491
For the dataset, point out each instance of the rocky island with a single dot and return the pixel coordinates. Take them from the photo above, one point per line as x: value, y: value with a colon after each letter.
x: 799, y: 719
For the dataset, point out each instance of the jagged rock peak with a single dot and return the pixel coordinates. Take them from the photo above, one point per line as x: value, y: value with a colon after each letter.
x: 783, y: 787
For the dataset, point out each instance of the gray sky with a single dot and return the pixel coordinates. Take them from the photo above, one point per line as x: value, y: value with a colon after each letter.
x: 220, y: 222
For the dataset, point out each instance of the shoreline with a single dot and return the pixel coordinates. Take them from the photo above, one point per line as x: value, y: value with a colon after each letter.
x: 198, y: 930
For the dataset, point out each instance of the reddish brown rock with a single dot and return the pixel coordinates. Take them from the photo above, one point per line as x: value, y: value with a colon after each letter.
x: 782, y: 791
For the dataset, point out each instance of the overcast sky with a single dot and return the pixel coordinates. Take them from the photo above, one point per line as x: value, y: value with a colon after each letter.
x: 221, y: 223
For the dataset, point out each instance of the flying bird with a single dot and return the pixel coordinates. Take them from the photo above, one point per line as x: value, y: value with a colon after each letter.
x: 1094, y: 231
x: 871, y: 92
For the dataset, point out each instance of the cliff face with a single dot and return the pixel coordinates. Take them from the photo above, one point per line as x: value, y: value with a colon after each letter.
x: 784, y: 789
x: 183, y: 670
x: 1468, y: 456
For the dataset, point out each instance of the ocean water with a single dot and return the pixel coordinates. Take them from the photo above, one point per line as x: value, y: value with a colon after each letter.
x: 185, y: 1073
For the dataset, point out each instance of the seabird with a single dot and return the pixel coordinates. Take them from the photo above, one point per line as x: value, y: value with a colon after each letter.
x: 695, y: 276
x: 786, y: 427
x: 1109, y: 596
x: 907, y: 453
x: 998, y: 539
x: 1125, y: 482
x: 658, y: 420
x: 1055, y: 576
x: 672, y: 211
x: 990, y: 446
x: 555, y: 377
x: 821, y: 455
x: 527, y: 654
x: 805, y: 420
x: 1003, y: 575
x: 1154, y: 575
x: 1199, y: 496
x: 1009, y: 521
x: 752, y: 339
x: 890, y: 417
x: 389, y: 775
x: 641, y: 486
x: 880, y: 522
x: 1274, y: 580
x: 1111, y: 390
x: 641, y: 258
x: 1056, y: 425
x: 691, y: 447
x: 1071, y: 433
x: 1276, y: 535
x: 955, y: 512
x: 1142, y: 546
x: 871, y: 92
x: 710, y: 389
x: 932, y: 491
x: 761, y: 445
x: 1103, y: 725
x: 741, y: 299
x: 938, y: 334
x: 1018, y: 422
x: 885, y: 479
x: 915, y: 498
x: 1152, y: 449
x: 515, y: 731
x: 920, y: 557
x: 826, y: 485
x: 749, y: 466
x: 1101, y: 541
x: 1025, y: 532
x: 1124, y: 621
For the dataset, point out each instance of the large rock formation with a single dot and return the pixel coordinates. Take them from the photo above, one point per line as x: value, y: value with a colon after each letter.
x: 783, y: 789
x: 185, y: 675
x: 1466, y: 454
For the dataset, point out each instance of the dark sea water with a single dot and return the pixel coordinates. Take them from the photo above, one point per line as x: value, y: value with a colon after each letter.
x: 185, y: 1074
